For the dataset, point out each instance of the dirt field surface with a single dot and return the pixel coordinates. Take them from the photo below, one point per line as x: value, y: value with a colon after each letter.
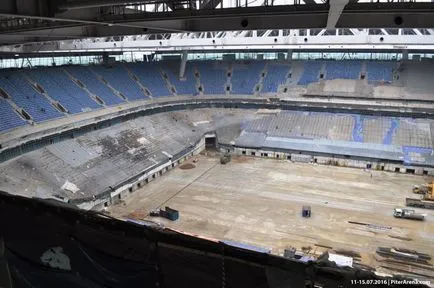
x: 258, y: 201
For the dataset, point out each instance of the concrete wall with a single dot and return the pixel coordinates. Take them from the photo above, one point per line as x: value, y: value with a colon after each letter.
x: 331, y: 160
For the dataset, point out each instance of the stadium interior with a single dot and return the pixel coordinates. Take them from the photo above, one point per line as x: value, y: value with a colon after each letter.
x: 155, y: 144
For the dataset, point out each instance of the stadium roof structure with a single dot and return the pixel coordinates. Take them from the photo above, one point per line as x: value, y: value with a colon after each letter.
x: 282, y: 40
x: 213, y: 24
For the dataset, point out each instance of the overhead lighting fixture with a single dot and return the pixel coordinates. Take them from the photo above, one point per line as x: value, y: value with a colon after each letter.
x: 110, y: 24
x: 17, y: 55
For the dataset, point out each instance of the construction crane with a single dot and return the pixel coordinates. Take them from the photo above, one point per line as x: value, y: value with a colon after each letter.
x: 427, y: 200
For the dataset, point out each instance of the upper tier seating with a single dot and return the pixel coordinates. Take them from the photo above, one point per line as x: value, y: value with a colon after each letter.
x: 343, y: 70
x: 183, y: 87
x: 310, y: 73
x: 61, y: 88
x: 23, y: 94
x: 119, y: 79
x: 213, y: 76
x: 8, y: 118
x: 85, y: 76
x: 150, y: 77
x: 246, y: 76
x: 276, y: 75
x: 379, y: 71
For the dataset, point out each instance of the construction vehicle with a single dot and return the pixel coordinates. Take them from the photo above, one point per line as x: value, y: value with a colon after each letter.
x: 403, y: 254
x: 407, y: 214
x: 169, y: 213
x: 226, y: 158
x: 427, y: 200
x: 423, y: 189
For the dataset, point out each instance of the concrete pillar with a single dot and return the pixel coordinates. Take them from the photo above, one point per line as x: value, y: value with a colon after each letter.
x: 183, y: 64
x: 105, y: 58
x: 404, y: 55
x: 289, y: 58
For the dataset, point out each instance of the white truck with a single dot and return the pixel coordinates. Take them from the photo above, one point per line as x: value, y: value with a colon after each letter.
x: 407, y: 214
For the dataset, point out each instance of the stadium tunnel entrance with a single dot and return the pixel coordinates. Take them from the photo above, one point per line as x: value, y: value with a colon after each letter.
x: 211, y: 141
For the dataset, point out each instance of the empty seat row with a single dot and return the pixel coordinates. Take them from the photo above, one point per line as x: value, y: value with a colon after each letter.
x: 26, y: 97
x: 97, y: 87
x: 343, y: 69
x: 213, y: 77
x: 118, y: 77
x: 185, y: 86
x: 245, y: 77
x: 150, y: 76
x: 275, y: 76
x: 61, y: 88
x: 310, y: 73
x: 379, y: 71
x: 8, y: 118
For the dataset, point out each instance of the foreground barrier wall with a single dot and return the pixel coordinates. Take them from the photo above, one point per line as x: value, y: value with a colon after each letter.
x: 75, y: 248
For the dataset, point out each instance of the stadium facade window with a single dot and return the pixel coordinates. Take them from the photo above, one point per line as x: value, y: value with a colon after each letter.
x: 136, y: 56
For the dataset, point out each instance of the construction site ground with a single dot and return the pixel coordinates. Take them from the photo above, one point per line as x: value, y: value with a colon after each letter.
x: 258, y: 201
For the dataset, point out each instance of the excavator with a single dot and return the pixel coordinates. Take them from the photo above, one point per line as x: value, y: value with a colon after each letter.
x: 427, y: 200
x: 424, y: 189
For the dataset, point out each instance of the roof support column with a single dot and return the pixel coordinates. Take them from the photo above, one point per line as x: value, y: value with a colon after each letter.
x: 183, y: 63
x: 404, y: 55
x: 335, y: 11
x: 289, y: 57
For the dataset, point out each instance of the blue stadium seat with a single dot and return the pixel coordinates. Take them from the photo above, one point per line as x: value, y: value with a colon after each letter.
x: 118, y: 77
x: 379, y: 71
x: 94, y: 85
x: 245, y: 77
x: 213, y: 77
x: 183, y: 87
x: 343, y: 70
x: 276, y: 75
x: 8, y: 118
x: 23, y: 94
x: 61, y: 88
x: 149, y: 75
x: 310, y: 73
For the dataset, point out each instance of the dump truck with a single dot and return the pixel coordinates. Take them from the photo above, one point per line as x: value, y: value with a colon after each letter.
x: 407, y: 214
x: 427, y: 199
x: 419, y: 203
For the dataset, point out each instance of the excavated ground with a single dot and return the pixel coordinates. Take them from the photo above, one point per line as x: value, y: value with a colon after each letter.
x: 258, y: 201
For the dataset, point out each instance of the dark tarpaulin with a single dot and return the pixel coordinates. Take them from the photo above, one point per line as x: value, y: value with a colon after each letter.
x: 47, y: 244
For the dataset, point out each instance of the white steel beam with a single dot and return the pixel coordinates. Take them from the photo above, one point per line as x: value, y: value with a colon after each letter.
x: 238, y: 40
